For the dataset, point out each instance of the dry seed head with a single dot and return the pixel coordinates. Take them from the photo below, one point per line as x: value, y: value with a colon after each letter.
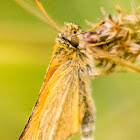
x: 121, y: 37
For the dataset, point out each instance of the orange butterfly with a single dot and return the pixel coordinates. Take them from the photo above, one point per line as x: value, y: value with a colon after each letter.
x: 64, y: 102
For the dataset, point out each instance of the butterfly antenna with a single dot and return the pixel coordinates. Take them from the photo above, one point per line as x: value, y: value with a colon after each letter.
x: 45, y: 13
x: 95, y: 27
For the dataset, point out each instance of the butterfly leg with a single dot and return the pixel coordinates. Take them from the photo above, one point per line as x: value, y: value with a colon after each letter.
x: 107, y: 73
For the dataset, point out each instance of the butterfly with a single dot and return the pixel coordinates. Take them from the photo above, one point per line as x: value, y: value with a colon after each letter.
x: 64, y: 102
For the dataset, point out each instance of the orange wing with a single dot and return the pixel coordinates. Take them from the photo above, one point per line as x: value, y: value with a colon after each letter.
x: 56, y: 113
x: 51, y: 70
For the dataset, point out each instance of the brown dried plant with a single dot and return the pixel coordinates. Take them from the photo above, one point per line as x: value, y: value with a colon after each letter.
x: 120, y: 37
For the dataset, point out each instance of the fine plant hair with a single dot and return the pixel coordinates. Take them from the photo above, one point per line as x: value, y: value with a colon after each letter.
x: 119, y: 36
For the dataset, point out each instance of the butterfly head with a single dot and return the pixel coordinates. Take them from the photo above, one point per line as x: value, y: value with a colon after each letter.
x: 69, y: 35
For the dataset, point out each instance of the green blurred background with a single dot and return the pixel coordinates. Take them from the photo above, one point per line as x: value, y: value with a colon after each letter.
x: 26, y: 45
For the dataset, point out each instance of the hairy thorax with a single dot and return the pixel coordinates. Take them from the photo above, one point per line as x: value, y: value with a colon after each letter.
x: 79, y: 58
x: 70, y: 46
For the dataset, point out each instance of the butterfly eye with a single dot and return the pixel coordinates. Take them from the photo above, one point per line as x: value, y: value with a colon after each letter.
x: 74, y: 41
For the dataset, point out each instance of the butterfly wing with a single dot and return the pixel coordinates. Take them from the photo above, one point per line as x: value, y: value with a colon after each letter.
x: 56, y: 116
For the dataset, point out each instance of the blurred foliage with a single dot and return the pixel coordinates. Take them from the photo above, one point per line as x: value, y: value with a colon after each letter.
x: 26, y: 44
